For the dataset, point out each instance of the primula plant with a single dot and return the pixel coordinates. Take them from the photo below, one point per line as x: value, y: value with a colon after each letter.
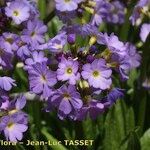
x: 75, y: 70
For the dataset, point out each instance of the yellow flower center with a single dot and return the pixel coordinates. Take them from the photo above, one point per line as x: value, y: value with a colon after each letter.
x: 66, y: 96
x: 69, y: 71
x: 58, y: 46
x: 96, y: 73
x: 9, y: 40
x: 43, y: 79
x: 12, y: 111
x: 67, y: 1
x: 93, y: 40
x: 16, y: 13
x: 10, y: 125
x: 33, y: 34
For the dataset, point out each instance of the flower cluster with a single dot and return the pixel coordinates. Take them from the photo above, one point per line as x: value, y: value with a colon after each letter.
x: 72, y: 72
x: 100, y: 10
x: 84, y: 73
x: 140, y: 11
x: 14, y: 121
x: 17, y: 42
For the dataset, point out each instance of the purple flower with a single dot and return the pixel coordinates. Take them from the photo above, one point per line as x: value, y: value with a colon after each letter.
x: 14, y: 126
x: 67, y: 99
x: 113, y: 96
x: 116, y: 13
x: 90, y: 58
x: 10, y: 42
x: 113, y: 44
x: 18, y: 11
x: 101, y: 11
x: 16, y: 105
x: 67, y: 5
x: 145, y: 30
x: 137, y: 10
x: 97, y: 74
x: 67, y: 16
x: 4, y: 102
x: 41, y: 79
x: 68, y: 70
x: 93, y: 109
x: 89, y: 30
x: 23, y: 51
x: 92, y: 31
x: 72, y: 29
x: 71, y: 38
x: 6, y: 83
x: 122, y: 65
x: 133, y: 57
x: 34, y: 34
x: 37, y: 57
x: 5, y: 55
x: 57, y: 43
x: 32, y: 4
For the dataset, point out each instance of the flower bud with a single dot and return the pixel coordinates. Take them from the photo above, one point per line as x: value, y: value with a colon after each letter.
x: 71, y: 38
x: 92, y: 40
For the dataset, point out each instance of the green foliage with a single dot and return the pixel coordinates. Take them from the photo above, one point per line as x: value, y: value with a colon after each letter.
x: 145, y: 140
x: 52, y: 139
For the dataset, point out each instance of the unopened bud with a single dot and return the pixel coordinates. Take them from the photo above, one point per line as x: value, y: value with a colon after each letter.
x: 93, y: 40
x: 71, y: 38
x: 89, y: 10
x: 92, y: 3
x: 83, y: 84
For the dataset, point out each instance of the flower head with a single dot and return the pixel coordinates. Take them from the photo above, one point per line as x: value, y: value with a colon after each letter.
x: 101, y: 11
x: 24, y: 51
x: 9, y: 40
x: 116, y: 13
x: 57, y: 43
x: 18, y: 11
x: 41, y: 79
x: 67, y: 5
x: 133, y: 57
x: 17, y: 105
x: 5, y: 55
x: 14, y: 126
x: 137, y: 10
x: 68, y: 70
x: 113, y: 44
x: 97, y: 74
x: 113, y: 96
x: 37, y: 57
x: 93, y: 109
x: 67, y: 99
x: 34, y: 34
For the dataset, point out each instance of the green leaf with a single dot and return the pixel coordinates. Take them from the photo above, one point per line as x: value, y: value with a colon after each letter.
x: 132, y: 77
x: 114, y: 128
x: 52, y: 139
x: 133, y: 141
x: 54, y: 26
x: 145, y: 140
x: 19, y: 147
x: 42, y: 8
x: 129, y: 118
